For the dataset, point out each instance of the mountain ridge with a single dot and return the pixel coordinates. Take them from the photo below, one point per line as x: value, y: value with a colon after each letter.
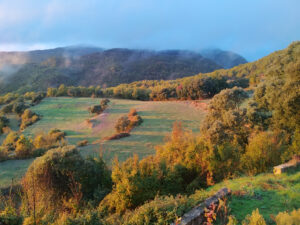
x: 73, y: 65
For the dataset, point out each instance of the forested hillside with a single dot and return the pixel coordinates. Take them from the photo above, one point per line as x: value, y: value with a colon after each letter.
x: 38, y: 70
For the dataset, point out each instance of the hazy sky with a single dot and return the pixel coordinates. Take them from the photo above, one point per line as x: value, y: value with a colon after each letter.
x: 252, y: 28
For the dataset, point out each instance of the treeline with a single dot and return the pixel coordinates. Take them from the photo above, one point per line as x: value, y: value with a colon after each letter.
x: 187, y: 88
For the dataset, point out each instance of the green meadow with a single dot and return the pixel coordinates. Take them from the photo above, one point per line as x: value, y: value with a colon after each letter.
x: 70, y: 115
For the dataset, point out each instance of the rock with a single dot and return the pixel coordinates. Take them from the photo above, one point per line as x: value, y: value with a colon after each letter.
x: 196, y: 215
x: 293, y: 163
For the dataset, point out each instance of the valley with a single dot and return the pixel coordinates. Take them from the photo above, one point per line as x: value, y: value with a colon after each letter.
x: 70, y: 115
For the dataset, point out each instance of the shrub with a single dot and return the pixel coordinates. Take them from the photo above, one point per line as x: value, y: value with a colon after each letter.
x: 88, y: 217
x: 3, y: 123
x: 28, y: 118
x: 62, y: 176
x: 96, y: 109
x: 10, y: 140
x: 161, y: 210
x: 122, y: 124
x: 104, y: 102
x: 132, y: 112
x: 19, y: 108
x: 254, y: 219
x: 50, y: 140
x: 9, y: 216
x: 263, y: 151
x: 24, y: 147
x: 56, y: 134
x: 3, y: 154
x: 285, y: 218
x: 82, y: 143
x: 7, y: 108
x: 117, y: 136
x: 126, y: 123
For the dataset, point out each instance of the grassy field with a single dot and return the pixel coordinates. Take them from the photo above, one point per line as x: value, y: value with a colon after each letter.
x: 269, y: 193
x: 70, y: 114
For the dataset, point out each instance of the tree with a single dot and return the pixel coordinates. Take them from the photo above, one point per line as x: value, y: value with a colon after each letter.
x: 263, y: 151
x: 122, y: 124
x: 225, y: 121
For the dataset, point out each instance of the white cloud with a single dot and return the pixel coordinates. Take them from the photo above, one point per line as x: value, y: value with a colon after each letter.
x: 25, y: 47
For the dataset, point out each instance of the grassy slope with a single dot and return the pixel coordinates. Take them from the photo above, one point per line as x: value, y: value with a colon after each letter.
x: 69, y: 115
x: 269, y: 193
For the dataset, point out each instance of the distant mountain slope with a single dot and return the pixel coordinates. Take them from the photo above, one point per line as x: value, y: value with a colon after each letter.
x: 116, y: 66
x: 38, y: 70
x: 226, y: 59
x: 273, y: 65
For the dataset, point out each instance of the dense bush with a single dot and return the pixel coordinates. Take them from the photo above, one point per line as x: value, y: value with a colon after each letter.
x: 254, y: 219
x: 3, y: 153
x: 122, y: 124
x: 3, y: 123
x: 82, y: 143
x: 263, y: 152
x: 19, y: 146
x: 226, y: 121
x: 96, y: 109
x: 28, y: 118
x: 285, y: 218
x: 178, y: 167
x: 127, y: 123
x: 24, y: 147
x: 63, y: 179
x: 9, y: 216
x: 10, y: 141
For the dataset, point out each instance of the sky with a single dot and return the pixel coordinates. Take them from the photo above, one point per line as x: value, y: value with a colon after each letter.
x: 252, y: 28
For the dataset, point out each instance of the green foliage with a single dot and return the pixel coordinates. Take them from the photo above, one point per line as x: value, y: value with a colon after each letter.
x: 178, y: 167
x: 98, y: 109
x: 122, y: 124
x: 127, y: 123
x: 8, y: 98
x: 10, y: 140
x: 161, y: 210
x: 225, y: 121
x: 279, y: 94
x: 9, y: 216
x: 24, y: 147
x: 3, y: 153
x: 88, y: 217
x: 263, y: 151
x: 3, y: 123
x: 61, y: 177
x: 28, y: 118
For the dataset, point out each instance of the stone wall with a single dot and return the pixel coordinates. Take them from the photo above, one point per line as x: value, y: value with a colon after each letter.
x: 293, y: 163
x: 196, y: 215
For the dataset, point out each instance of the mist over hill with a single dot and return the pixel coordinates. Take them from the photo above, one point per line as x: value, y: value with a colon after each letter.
x: 81, y: 65
x: 226, y: 59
